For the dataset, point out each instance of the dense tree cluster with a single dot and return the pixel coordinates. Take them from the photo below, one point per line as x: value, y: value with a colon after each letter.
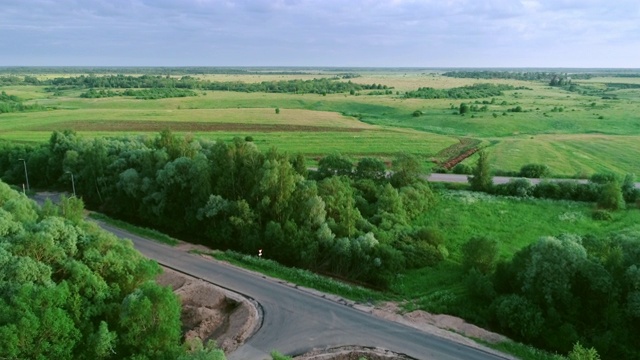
x: 515, y: 75
x: 144, y: 94
x: 350, y: 222
x: 475, y: 91
x: 71, y: 291
x: 567, y: 289
x: 314, y: 86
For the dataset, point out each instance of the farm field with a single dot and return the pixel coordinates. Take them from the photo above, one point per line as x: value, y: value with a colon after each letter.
x: 575, y: 133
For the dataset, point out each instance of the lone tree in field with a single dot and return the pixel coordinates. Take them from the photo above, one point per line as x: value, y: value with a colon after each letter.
x: 481, y: 179
x: 464, y: 108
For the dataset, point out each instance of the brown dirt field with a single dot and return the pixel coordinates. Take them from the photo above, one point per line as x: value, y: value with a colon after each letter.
x: 153, y: 126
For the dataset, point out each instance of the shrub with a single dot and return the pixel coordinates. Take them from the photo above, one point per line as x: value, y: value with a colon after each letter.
x: 534, y: 171
x: 548, y: 190
x: 248, y: 138
x: 519, y: 316
x: 417, y: 113
x: 602, y: 215
x: 629, y: 191
x: 611, y: 197
x: 515, y: 187
x: 603, y: 178
x: 462, y: 169
x: 480, y: 253
x: 480, y: 286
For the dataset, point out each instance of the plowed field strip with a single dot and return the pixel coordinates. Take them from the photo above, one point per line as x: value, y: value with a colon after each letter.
x: 152, y: 126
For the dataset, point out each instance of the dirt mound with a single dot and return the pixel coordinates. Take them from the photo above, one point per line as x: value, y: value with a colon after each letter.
x: 210, y: 312
x: 352, y: 353
x: 443, y: 325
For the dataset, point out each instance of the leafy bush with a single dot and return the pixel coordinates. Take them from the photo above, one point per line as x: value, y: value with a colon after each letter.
x: 600, y: 214
x: 519, y: 316
x: 462, y: 169
x: 480, y: 253
x: 603, y: 178
x: 611, y: 197
x: 534, y: 171
x: 515, y: 187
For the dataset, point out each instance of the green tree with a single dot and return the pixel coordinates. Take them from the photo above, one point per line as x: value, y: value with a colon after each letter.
x: 581, y: 353
x: 629, y: 191
x: 149, y: 323
x: 371, y: 168
x: 334, y: 165
x: 406, y: 170
x: 480, y: 253
x: 481, y: 179
x: 535, y: 171
x: 611, y: 196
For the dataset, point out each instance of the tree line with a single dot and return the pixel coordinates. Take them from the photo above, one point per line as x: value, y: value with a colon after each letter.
x: 354, y: 222
x: 314, y: 86
x: 608, y: 190
x: 515, y: 75
x: 144, y: 94
x: 475, y: 91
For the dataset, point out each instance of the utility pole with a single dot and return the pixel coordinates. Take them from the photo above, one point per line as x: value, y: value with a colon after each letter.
x: 73, y: 183
x: 26, y: 175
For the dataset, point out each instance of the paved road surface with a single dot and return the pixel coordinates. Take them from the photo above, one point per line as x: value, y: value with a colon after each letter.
x: 455, y: 178
x: 296, y: 321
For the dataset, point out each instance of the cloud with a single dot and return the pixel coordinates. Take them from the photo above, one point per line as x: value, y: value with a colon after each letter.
x: 315, y: 33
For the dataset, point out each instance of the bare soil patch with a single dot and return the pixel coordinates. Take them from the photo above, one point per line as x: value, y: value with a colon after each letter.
x: 189, y: 126
x: 210, y: 312
x: 352, y: 353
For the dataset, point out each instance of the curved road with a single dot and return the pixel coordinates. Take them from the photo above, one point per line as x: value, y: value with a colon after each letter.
x: 295, y: 321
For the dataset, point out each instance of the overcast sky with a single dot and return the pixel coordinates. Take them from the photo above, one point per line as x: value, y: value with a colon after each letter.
x: 360, y: 33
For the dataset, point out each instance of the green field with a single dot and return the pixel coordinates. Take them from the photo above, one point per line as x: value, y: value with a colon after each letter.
x: 572, y: 132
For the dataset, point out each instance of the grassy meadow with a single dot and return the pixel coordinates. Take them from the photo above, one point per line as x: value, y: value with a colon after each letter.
x: 572, y: 132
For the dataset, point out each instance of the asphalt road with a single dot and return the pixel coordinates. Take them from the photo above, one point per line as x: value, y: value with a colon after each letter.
x: 295, y: 321
x: 454, y: 178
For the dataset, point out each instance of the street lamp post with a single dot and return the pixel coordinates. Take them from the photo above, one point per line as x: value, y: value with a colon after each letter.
x: 73, y: 183
x: 26, y: 175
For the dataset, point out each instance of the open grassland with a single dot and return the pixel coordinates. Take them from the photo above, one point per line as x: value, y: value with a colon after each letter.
x: 513, y: 222
x: 572, y: 132
x: 407, y: 81
x: 568, y: 154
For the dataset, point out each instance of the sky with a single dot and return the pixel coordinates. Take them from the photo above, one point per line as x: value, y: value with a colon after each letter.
x: 321, y: 33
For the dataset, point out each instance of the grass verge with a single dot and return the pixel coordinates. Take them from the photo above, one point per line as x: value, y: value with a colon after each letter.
x: 522, y: 351
x: 300, y: 277
x: 146, y: 232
